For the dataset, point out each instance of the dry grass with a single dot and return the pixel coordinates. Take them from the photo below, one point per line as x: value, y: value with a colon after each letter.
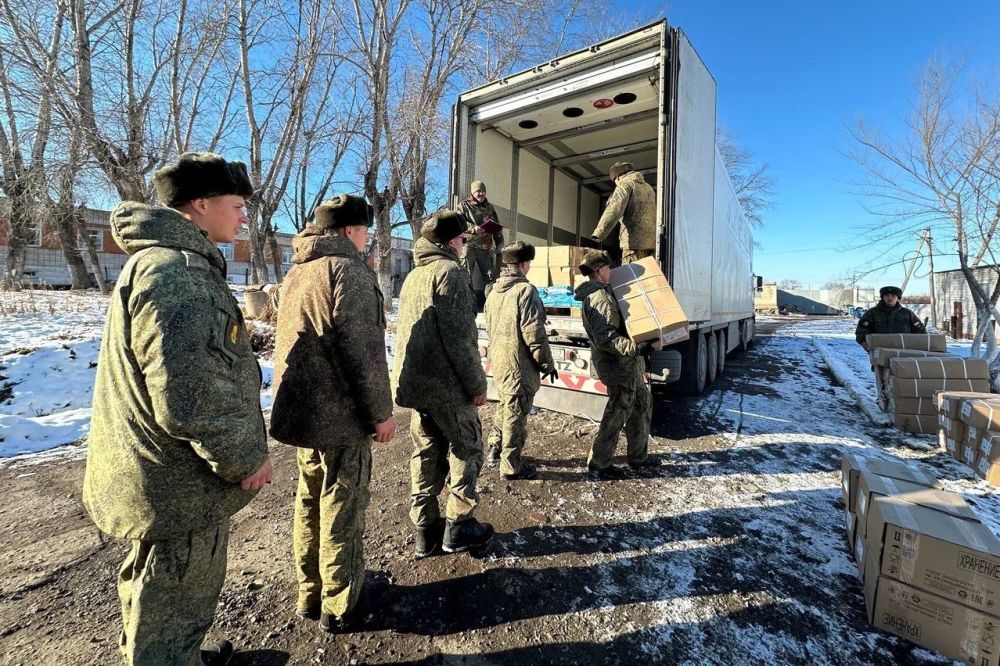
x: 44, y: 300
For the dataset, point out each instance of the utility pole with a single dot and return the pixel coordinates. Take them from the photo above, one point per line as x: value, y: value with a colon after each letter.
x: 930, y: 258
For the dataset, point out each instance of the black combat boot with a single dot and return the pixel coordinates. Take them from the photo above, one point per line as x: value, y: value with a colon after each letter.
x: 462, y: 536
x: 373, y: 596
x: 428, y: 540
x: 217, y: 654
x: 609, y: 473
x: 526, y: 472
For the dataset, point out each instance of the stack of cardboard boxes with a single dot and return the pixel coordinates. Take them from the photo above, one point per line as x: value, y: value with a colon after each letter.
x: 557, y: 265
x: 912, y: 382
x: 649, y: 306
x: 883, y: 347
x: 970, y: 430
x: 931, y: 570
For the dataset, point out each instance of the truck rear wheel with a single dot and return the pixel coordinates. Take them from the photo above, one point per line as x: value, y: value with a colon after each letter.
x: 712, y: 345
x: 694, y: 368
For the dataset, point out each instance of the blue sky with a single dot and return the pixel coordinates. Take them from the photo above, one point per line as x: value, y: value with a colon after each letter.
x: 792, y: 75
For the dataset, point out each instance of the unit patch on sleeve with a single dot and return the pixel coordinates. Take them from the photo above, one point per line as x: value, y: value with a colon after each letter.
x: 232, y: 335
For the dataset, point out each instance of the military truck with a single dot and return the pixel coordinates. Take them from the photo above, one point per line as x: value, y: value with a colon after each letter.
x: 544, y: 139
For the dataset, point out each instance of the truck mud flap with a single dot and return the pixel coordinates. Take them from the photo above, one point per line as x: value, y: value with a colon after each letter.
x: 564, y: 401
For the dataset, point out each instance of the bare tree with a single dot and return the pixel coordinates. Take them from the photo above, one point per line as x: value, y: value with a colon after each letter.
x: 751, y: 178
x: 275, y: 104
x: 788, y: 284
x: 943, y: 171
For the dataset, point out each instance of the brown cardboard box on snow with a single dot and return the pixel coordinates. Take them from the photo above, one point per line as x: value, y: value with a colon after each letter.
x: 916, y: 424
x: 950, y: 402
x: 918, y: 341
x: 871, y: 485
x: 987, y: 465
x: 970, y: 446
x: 881, y: 356
x: 952, y: 427
x: 851, y: 465
x: 982, y: 413
x: 916, y: 388
x: 648, y: 304
x: 947, y: 443
x: 924, y: 406
x: 935, y: 623
x: 939, y: 368
x: 954, y: 558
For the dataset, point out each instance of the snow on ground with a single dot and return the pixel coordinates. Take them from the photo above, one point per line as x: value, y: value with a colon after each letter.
x: 49, y: 342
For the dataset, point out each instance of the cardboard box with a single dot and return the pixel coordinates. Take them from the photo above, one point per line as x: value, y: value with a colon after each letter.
x: 917, y: 424
x: 648, y: 304
x: 954, y: 558
x: 922, y: 406
x: 850, y: 522
x: 950, y: 402
x: 563, y: 276
x: 947, y: 443
x: 919, y: 388
x: 970, y: 445
x: 872, y: 485
x: 935, y: 623
x: 881, y: 356
x: 920, y: 341
x: 851, y: 465
x: 539, y: 276
x: 939, y: 368
x: 952, y: 428
x: 559, y: 256
x: 983, y: 413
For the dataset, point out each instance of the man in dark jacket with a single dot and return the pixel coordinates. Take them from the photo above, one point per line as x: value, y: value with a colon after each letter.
x: 619, y: 367
x: 332, y: 398
x: 519, y: 350
x: 888, y: 317
x: 482, y: 249
x: 437, y: 372
x: 177, y: 442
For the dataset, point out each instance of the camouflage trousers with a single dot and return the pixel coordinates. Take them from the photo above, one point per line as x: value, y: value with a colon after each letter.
x: 482, y: 267
x: 510, y: 430
x: 632, y: 256
x: 630, y: 406
x: 447, y: 448
x: 329, y: 526
x: 169, y: 590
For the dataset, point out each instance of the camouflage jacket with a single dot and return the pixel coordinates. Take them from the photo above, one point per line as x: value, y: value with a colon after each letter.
x: 611, y: 351
x: 437, y: 359
x: 331, y: 380
x: 634, y: 203
x: 476, y: 213
x: 176, y: 419
x: 883, y: 319
x: 519, y: 345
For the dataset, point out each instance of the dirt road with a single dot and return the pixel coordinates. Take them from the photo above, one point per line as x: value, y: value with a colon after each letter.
x: 732, y: 551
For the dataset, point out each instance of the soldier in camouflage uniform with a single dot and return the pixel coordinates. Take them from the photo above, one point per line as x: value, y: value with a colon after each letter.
x: 619, y: 367
x: 888, y: 316
x: 177, y: 441
x: 437, y: 372
x: 331, y: 398
x: 633, y: 203
x: 519, y: 350
x: 482, y: 251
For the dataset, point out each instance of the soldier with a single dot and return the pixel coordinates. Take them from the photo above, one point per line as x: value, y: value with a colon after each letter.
x: 619, y: 367
x: 633, y: 203
x: 331, y: 399
x: 888, y: 316
x: 519, y: 345
x: 437, y: 372
x: 483, y: 247
x: 177, y: 441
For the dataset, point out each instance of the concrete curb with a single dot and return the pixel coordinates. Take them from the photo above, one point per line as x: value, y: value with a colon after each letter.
x: 849, y: 381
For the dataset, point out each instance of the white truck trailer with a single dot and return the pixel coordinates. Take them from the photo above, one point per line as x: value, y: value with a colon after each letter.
x: 543, y: 141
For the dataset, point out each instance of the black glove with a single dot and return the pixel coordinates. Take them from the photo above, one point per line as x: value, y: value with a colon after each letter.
x: 644, y: 349
x: 551, y: 374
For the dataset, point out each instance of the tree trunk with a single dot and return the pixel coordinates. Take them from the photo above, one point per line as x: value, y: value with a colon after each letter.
x: 21, y: 231
x: 272, y: 242
x: 95, y: 259
x: 63, y: 216
x: 14, y: 267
